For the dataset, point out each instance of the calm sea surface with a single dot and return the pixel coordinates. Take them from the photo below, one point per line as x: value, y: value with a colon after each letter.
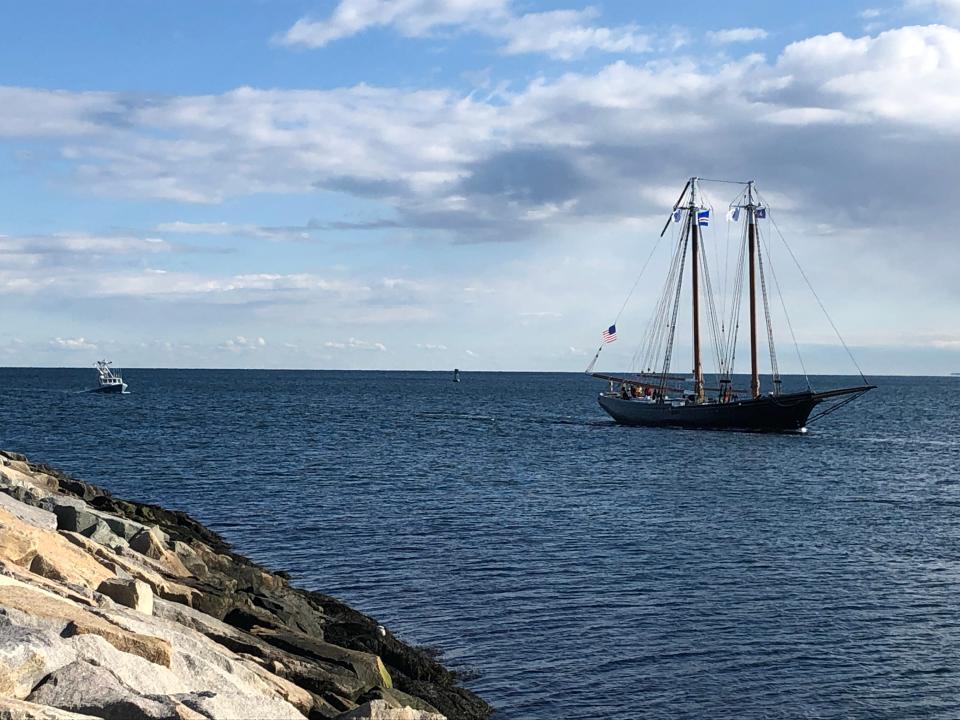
x: 584, y: 570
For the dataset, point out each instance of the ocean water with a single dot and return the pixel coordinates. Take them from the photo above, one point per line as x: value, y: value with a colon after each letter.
x: 577, y: 568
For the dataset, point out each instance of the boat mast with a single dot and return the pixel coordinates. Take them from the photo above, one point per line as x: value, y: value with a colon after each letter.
x: 695, y: 282
x: 752, y: 247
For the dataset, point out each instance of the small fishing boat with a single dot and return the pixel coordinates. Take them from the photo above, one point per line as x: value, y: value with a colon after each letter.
x: 456, y: 375
x: 109, y: 379
x: 651, y: 395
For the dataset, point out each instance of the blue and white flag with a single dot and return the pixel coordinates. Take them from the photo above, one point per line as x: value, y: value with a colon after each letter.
x: 760, y: 213
x: 733, y: 214
x: 677, y: 214
x: 610, y: 334
x: 703, y: 218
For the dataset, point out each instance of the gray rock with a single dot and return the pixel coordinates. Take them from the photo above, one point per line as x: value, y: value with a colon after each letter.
x: 237, y: 707
x: 11, y: 709
x: 382, y: 710
x: 102, y: 533
x: 126, y: 529
x: 85, y: 688
x: 53, y: 501
x: 397, y: 698
x: 134, y: 594
x: 23, y: 491
x: 148, y: 542
x: 28, y: 654
x: 75, y: 515
x: 28, y: 513
x: 75, y: 519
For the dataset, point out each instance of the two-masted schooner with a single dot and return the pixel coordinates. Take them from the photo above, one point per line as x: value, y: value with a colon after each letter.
x: 654, y: 396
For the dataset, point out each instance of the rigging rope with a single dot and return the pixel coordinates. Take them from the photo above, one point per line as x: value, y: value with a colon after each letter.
x: 735, y: 305
x: 668, y: 355
x: 775, y: 370
x: 817, y: 297
x: 656, y: 326
x: 712, y: 312
x: 627, y: 300
x: 786, y: 314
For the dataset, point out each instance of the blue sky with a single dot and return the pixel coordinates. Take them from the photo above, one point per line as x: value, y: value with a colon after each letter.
x: 473, y: 183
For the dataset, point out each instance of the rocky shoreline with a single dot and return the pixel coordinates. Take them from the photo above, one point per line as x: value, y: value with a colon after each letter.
x: 121, y: 610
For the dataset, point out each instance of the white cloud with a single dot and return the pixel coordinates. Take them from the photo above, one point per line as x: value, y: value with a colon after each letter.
x: 946, y: 10
x: 223, y: 229
x: 736, y: 35
x: 79, y: 343
x: 355, y: 344
x: 450, y: 162
x: 413, y: 18
x: 568, y: 34
x: 562, y: 34
x: 241, y: 343
x: 26, y: 250
x: 431, y: 346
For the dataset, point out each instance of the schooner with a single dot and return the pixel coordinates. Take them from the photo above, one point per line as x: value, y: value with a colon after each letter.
x: 656, y: 397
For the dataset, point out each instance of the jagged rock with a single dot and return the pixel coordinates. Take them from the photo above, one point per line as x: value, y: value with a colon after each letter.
x: 20, y: 542
x: 126, y: 529
x: 51, y: 502
x: 13, y: 456
x: 382, y: 710
x: 75, y: 515
x: 21, y: 486
x: 206, y: 665
x: 86, y: 688
x: 30, y: 514
x: 134, y: 565
x: 44, y: 567
x: 102, y: 534
x: 149, y: 542
x: 217, y: 705
x: 396, y: 698
x: 369, y: 669
x: 75, y: 519
x: 191, y: 559
x: 27, y: 655
x: 75, y: 620
x: 132, y: 593
x: 11, y: 709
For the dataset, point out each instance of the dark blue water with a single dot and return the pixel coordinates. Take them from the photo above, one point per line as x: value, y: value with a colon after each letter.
x: 584, y: 569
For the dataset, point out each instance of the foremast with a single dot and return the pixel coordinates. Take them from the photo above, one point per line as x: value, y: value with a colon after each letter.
x: 693, y: 220
x: 751, y: 209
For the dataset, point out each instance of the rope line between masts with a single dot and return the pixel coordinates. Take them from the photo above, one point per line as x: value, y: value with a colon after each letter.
x: 815, y: 295
x: 786, y: 314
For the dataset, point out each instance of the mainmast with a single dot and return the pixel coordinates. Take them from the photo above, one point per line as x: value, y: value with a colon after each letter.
x: 695, y: 282
x: 752, y: 252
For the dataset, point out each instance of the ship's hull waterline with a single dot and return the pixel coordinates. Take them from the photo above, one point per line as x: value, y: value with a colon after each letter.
x: 782, y: 413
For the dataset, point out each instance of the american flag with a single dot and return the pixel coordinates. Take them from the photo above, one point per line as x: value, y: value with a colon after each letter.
x: 610, y: 334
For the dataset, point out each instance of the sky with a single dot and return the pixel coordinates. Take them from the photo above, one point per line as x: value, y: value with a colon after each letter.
x: 430, y: 184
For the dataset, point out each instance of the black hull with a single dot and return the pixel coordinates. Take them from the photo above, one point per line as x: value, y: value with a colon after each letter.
x: 768, y: 413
